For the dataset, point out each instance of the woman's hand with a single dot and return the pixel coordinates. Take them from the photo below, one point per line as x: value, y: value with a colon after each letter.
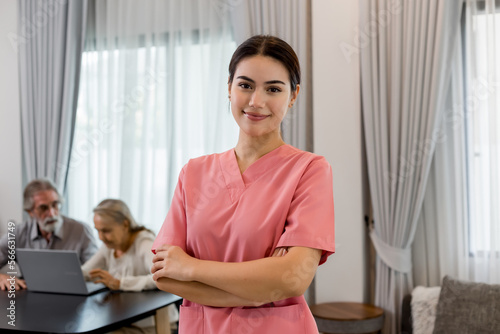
x: 172, y: 262
x: 102, y: 276
x: 280, y: 251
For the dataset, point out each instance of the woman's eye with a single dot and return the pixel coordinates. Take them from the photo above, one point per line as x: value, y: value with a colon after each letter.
x: 244, y: 85
x: 274, y: 90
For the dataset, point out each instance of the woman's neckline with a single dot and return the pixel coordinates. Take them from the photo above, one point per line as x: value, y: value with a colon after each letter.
x: 244, y: 165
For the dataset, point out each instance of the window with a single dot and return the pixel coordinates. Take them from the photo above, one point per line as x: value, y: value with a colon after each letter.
x: 483, y: 89
x: 142, y: 113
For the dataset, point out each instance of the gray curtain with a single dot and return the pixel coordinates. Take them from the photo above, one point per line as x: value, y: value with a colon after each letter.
x: 289, y: 20
x: 441, y: 238
x: 49, y: 65
x: 405, y: 47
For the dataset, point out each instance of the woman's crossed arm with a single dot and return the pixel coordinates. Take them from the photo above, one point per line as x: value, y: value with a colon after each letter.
x: 286, y: 274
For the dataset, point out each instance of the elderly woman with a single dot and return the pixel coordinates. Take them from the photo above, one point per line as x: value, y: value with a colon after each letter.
x: 124, y: 261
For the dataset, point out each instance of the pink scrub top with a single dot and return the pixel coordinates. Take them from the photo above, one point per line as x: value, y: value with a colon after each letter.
x: 283, y: 199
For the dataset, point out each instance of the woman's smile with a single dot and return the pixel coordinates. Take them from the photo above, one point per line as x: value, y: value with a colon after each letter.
x: 254, y: 116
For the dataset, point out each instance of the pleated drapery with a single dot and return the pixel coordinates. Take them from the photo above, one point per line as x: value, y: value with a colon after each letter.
x: 404, y: 53
x: 458, y: 231
x: 50, y: 50
x: 153, y: 95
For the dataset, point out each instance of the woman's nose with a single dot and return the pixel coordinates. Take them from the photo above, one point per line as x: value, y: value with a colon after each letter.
x: 257, y: 100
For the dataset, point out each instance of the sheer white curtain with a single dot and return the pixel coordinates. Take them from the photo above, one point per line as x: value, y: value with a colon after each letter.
x: 483, y: 71
x: 153, y: 94
x: 459, y: 228
x: 440, y: 245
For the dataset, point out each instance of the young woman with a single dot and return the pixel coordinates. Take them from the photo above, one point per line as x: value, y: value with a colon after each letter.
x: 247, y: 228
x: 124, y: 261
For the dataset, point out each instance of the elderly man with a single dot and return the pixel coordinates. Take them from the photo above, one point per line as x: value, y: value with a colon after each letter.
x: 47, y: 229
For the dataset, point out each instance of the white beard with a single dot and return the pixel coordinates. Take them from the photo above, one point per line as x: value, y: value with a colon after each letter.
x: 50, y: 228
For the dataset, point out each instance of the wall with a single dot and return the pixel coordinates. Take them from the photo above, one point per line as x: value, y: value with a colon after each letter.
x: 337, y: 136
x: 10, y: 131
x: 337, y: 117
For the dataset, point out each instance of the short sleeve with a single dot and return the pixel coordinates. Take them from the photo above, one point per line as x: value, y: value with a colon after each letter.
x: 310, y: 219
x: 173, y: 230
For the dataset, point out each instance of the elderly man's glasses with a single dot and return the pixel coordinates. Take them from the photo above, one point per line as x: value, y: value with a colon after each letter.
x: 41, y: 209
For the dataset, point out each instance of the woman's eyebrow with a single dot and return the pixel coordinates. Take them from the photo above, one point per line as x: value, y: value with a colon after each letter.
x: 267, y: 82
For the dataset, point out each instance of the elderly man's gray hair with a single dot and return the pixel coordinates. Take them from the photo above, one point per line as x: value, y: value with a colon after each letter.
x: 35, y: 186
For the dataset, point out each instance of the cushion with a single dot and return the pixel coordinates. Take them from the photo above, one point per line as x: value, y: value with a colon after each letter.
x: 467, y: 307
x: 423, y: 308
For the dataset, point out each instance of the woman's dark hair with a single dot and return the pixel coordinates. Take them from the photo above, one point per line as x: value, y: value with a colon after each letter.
x: 269, y: 46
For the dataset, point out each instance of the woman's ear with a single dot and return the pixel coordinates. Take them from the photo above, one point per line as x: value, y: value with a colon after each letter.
x: 294, y: 96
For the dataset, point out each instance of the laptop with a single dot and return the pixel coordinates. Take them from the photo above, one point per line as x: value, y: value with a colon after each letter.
x: 55, y: 271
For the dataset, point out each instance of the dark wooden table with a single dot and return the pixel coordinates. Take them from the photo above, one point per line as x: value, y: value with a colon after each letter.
x: 348, y: 317
x: 99, y: 313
